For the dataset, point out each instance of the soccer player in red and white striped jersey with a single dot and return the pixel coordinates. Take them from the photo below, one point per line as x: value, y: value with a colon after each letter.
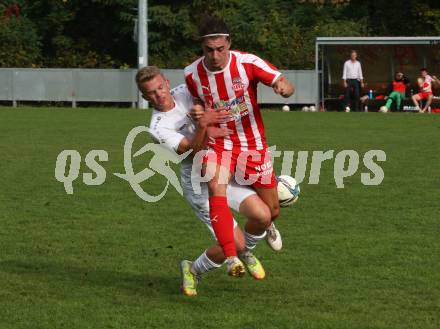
x: 227, y: 81
x: 425, y: 84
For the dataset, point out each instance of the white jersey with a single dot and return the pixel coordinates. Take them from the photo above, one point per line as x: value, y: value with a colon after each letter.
x: 169, y: 128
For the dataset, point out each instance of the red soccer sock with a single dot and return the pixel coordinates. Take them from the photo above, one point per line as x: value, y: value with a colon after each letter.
x: 223, y: 224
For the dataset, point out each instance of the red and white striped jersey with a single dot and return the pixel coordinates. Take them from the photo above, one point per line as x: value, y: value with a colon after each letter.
x: 234, y: 88
x: 426, y: 87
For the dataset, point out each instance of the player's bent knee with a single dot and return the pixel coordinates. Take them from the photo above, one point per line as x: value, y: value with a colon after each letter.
x: 260, y: 215
x: 265, y: 217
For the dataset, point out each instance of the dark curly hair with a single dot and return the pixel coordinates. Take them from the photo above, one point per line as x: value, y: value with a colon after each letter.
x: 212, y: 25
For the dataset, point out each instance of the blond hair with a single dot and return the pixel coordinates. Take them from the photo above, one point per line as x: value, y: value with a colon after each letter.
x: 146, y: 74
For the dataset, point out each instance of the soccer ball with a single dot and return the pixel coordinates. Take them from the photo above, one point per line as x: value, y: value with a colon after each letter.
x: 286, y: 108
x: 383, y: 109
x: 305, y: 109
x: 312, y: 109
x: 288, y: 190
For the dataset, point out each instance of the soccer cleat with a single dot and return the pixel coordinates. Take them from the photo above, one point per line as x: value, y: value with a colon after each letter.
x: 253, y: 265
x: 273, y: 238
x: 189, y: 280
x: 235, y: 267
x: 347, y: 109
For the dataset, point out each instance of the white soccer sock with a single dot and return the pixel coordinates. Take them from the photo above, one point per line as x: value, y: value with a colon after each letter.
x: 203, y: 264
x: 252, y: 240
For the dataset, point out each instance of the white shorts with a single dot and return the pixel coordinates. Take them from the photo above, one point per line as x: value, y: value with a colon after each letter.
x: 199, y: 203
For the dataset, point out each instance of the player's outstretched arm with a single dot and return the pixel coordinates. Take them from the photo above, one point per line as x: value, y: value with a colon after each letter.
x: 283, y: 87
x: 205, y: 126
x: 199, y: 140
x: 198, y: 109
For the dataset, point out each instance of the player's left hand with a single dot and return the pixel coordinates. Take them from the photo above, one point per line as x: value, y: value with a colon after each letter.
x: 197, y: 111
x: 283, y: 87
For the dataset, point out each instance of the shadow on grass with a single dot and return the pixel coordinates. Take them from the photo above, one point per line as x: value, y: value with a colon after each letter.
x: 72, y: 275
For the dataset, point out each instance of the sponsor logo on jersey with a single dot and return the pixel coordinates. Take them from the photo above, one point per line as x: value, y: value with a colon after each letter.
x: 236, y: 105
x: 237, y: 84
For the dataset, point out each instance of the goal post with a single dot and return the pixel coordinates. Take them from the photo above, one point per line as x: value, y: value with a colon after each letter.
x: 380, y: 58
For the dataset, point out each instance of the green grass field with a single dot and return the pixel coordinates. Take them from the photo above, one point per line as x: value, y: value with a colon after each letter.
x: 358, y: 257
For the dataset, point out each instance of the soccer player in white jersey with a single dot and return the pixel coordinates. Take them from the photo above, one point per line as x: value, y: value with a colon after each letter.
x: 172, y: 126
x: 228, y: 80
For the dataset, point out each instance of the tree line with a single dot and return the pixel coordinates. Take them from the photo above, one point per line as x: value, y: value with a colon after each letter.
x: 100, y: 33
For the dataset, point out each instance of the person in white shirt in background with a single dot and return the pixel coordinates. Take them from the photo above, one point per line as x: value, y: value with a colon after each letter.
x: 353, y: 80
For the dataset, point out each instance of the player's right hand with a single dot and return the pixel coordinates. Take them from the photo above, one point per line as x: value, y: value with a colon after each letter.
x: 212, y: 117
x: 217, y: 132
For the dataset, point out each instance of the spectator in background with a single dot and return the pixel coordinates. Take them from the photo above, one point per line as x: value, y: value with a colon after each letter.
x: 397, y: 90
x: 425, y: 84
x: 353, y: 81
